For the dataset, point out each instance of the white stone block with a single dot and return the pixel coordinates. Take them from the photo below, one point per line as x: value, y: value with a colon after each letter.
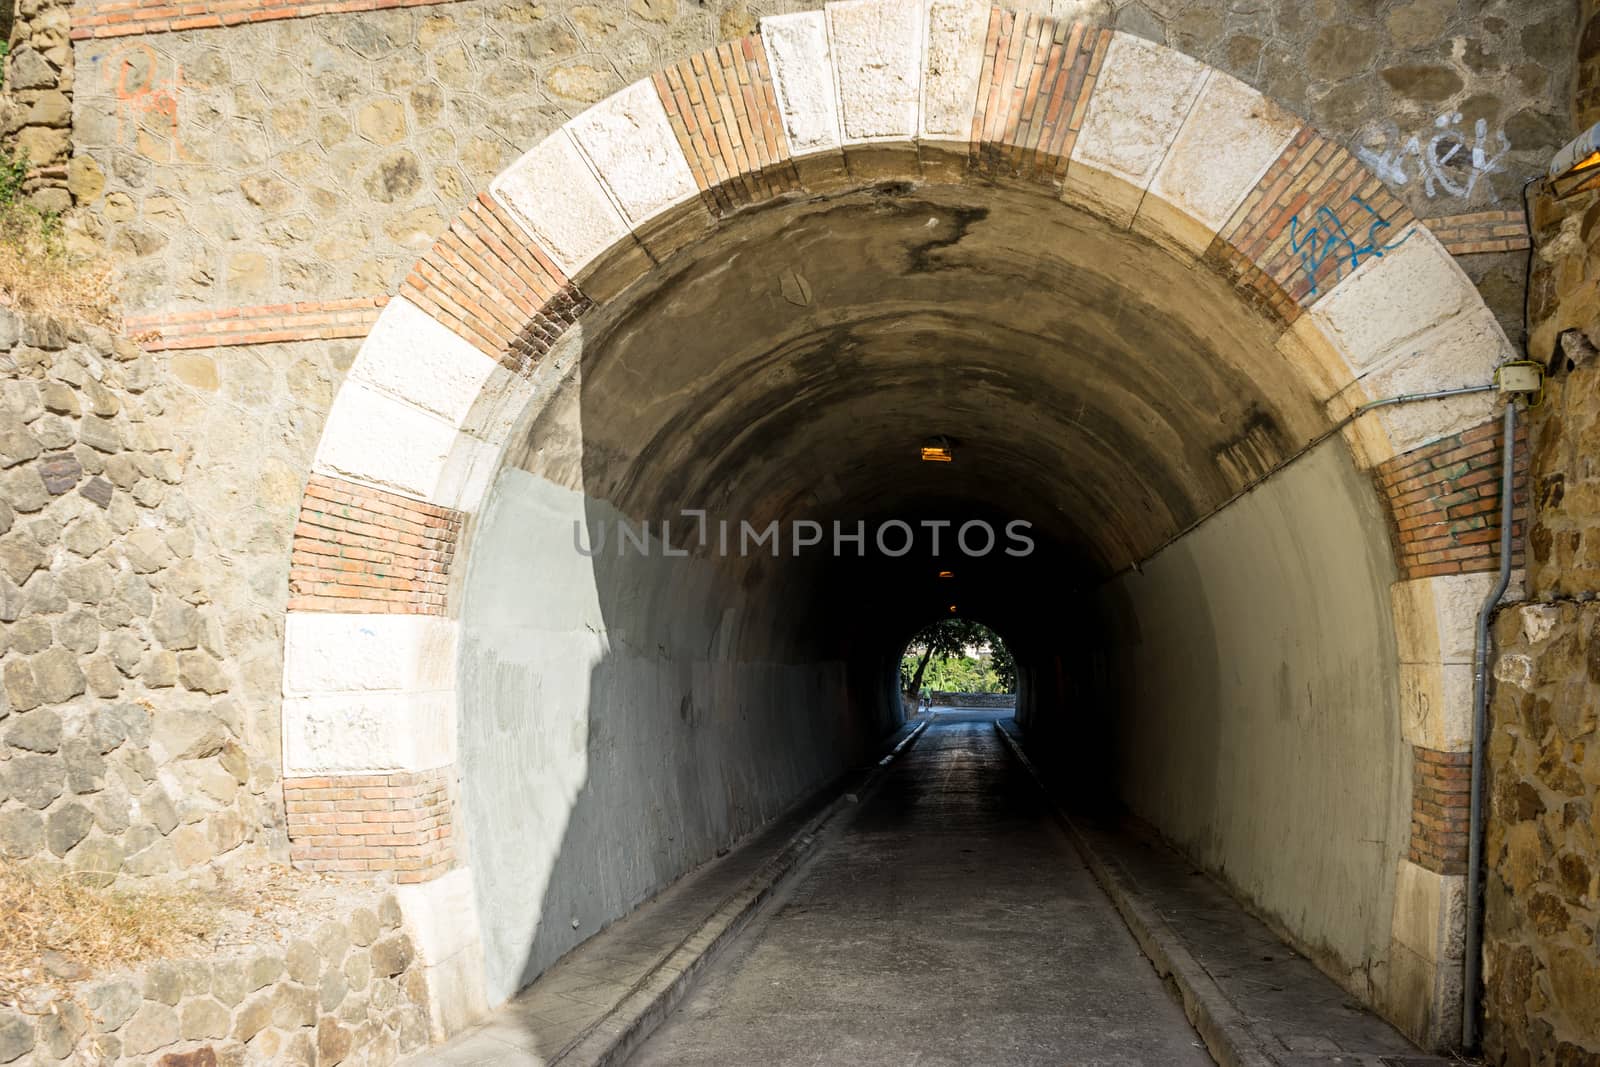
x: 368, y: 733
x: 1394, y: 298
x: 630, y: 143
x: 325, y: 652
x: 1463, y: 351
x: 1436, y: 705
x: 554, y: 193
x: 373, y: 437
x: 1140, y: 100
x: 499, y: 405
x: 1429, y: 909
x: 413, y: 357
x: 957, y: 30
x: 802, y: 74
x: 1453, y: 602
x: 877, y: 60
x: 467, y: 474
x: 1316, y: 358
x: 441, y: 918
x: 1230, y: 138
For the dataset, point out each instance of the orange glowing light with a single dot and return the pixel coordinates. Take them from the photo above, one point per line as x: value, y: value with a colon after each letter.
x: 947, y: 574
x: 936, y: 454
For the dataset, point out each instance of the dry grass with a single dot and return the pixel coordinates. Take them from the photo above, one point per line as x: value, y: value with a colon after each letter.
x: 53, y: 928
x: 39, y: 274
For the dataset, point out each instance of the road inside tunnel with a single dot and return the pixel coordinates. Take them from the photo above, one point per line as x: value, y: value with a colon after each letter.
x: 950, y: 923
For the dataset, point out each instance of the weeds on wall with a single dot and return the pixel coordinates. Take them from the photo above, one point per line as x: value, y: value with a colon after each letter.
x: 39, y: 272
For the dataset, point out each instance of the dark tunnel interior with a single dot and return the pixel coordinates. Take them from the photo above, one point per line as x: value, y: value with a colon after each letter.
x: 1091, y: 384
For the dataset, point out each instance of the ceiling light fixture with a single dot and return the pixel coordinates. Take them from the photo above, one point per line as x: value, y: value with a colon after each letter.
x: 938, y: 450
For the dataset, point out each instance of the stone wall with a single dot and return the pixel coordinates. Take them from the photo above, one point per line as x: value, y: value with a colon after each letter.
x: 36, y: 106
x: 1542, y: 921
x: 312, y: 159
x: 1586, y: 78
x: 146, y: 502
x: 348, y: 990
x: 1542, y: 903
x: 973, y: 700
x: 1564, y: 333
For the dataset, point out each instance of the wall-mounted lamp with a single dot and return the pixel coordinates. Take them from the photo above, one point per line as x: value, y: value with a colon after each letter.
x: 1576, y: 168
x: 938, y: 450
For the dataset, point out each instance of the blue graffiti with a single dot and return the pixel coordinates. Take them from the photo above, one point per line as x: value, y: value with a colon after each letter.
x: 1326, y: 238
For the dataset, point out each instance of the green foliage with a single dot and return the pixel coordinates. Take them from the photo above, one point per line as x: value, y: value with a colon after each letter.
x: 13, y: 169
x: 39, y: 272
x: 938, y: 659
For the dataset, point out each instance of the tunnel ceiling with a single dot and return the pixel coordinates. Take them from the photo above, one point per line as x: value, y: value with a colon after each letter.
x: 790, y: 365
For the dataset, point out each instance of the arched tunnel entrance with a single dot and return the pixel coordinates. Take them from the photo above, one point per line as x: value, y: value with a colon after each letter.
x: 1136, y: 328
x: 1095, y: 390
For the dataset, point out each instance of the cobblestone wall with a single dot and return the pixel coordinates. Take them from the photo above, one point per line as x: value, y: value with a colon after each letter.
x: 1586, y: 80
x: 312, y: 159
x: 1542, y: 975
x: 145, y: 505
x: 347, y: 991
x: 1542, y: 923
x: 36, y: 107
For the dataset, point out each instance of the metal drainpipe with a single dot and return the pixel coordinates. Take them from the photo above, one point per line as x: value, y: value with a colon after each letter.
x: 1480, y: 726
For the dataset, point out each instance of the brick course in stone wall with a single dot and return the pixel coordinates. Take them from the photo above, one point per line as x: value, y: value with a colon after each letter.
x: 1479, y: 232
x: 1040, y: 74
x: 123, y: 18
x: 265, y: 324
x: 394, y: 824
x: 362, y: 549
x: 494, y: 287
x: 1440, y: 784
x: 724, y: 111
x: 1444, y: 499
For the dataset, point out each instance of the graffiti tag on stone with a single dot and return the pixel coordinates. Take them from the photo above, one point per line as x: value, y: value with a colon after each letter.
x: 1448, y: 161
x: 1325, y: 237
x: 142, y: 95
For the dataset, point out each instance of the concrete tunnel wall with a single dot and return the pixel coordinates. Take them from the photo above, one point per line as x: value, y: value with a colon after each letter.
x: 1253, y: 694
x: 616, y: 731
x: 623, y: 718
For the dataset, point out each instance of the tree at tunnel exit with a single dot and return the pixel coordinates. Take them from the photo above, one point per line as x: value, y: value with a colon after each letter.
x: 951, y: 639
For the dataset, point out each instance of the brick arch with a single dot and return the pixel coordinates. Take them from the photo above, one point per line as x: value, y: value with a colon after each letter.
x: 865, y: 91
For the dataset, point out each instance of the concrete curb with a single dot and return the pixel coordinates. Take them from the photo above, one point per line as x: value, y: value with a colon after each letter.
x: 616, y: 1035
x: 1228, y: 1035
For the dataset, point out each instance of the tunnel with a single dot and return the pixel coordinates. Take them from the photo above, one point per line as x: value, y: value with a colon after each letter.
x: 627, y: 712
x: 696, y: 438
